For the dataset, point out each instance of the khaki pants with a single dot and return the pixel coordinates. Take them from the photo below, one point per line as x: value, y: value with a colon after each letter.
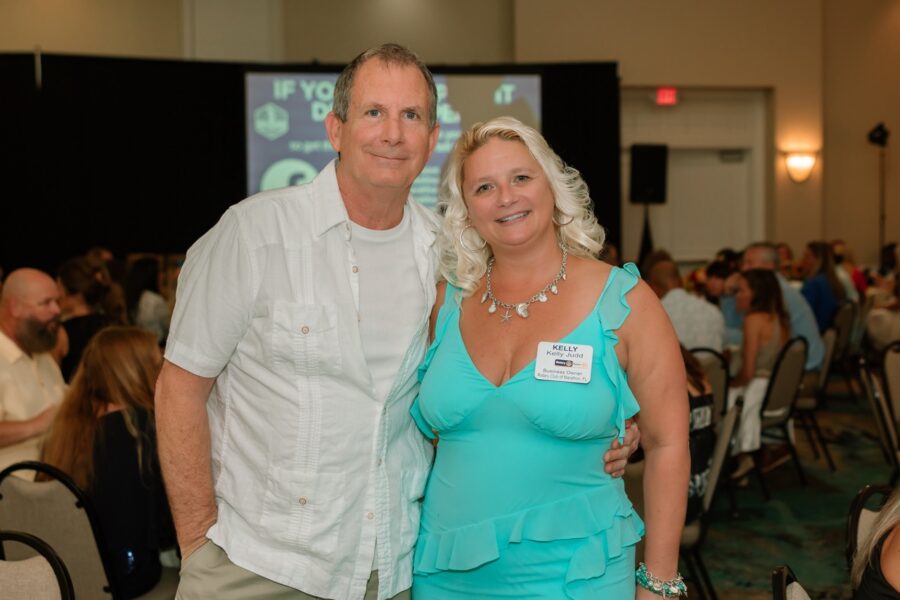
x: 208, y: 573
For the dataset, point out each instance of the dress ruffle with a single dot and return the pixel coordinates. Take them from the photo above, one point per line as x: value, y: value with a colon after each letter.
x: 605, y: 521
x: 613, y: 309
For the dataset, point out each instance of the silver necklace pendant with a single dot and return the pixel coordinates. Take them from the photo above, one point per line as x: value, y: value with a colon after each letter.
x: 521, y: 308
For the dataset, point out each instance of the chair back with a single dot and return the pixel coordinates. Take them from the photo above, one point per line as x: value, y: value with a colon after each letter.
x: 844, y: 321
x: 891, y: 366
x: 887, y: 428
x: 785, y: 585
x: 861, y: 518
x: 42, y: 576
x: 784, y: 383
x: 716, y: 369
x: 720, y: 452
x: 829, y: 341
x: 60, y: 514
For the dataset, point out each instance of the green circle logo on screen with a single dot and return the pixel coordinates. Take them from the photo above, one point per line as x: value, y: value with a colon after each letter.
x: 286, y: 172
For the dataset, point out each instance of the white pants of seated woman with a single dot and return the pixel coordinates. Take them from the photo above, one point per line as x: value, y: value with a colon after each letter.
x: 747, y: 436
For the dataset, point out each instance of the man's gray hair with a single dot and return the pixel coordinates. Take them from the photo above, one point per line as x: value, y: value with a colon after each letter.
x: 768, y: 250
x: 389, y: 54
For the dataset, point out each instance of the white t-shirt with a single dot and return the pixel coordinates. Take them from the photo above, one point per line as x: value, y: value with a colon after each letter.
x: 390, y: 298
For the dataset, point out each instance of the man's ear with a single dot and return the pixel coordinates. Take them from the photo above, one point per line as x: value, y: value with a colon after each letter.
x: 333, y: 126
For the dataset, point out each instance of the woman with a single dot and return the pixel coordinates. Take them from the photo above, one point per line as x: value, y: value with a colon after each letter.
x: 876, y: 566
x: 146, y: 306
x: 703, y: 435
x: 766, y: 330
x: 103, y: 437
x: 525, y: 383
x: 88, y: 302
x: 821, y: 287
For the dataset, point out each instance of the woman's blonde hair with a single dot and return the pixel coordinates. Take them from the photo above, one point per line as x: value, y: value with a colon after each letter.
x: 888, y: 518
x: 462, y: 262
x: 119, y: 368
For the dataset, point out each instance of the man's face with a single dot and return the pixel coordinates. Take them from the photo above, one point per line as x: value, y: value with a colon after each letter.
x: 754, y: 258
x: 715, y: 286
x: 386, y: 140
x: 37, y: 317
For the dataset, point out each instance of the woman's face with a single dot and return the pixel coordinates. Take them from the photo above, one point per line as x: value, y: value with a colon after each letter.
x: 743, y: 297
x: 808, y: 262
x: 508, y: 196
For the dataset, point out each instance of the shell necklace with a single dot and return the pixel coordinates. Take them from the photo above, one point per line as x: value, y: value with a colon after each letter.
x: 521, y: 308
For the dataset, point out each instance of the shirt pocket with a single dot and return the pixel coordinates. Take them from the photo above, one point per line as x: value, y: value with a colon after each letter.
x: 303, y: 510
x: 304, y: 338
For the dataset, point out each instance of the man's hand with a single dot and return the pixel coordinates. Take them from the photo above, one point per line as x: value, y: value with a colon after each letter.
x: 617, y: 456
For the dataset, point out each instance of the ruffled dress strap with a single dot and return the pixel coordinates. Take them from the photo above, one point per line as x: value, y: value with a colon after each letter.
x: 612, y: 310
x: 448, y: 309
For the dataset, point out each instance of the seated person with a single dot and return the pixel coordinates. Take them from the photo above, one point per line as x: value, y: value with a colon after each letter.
x: 876, y: 566
x: 89, y: 302
x: 697, y: 323
x: 766, y: 331
x: 31, y: 385
x: 821, y: 286
x: 703, y: 435
x: 103, y: 437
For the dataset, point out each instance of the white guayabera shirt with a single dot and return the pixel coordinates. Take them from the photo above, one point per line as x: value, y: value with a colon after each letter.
x: 310, y: 467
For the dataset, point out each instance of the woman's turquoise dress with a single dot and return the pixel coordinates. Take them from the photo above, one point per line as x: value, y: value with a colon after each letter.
x: 518, y: 504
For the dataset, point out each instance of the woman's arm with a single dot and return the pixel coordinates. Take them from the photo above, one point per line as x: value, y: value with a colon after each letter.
x: 650, y: 354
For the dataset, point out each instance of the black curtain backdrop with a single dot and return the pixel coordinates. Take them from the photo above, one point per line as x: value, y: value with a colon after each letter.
x: 145, y: 155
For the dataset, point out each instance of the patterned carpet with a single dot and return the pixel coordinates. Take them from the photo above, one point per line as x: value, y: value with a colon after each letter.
x: 803, y: 527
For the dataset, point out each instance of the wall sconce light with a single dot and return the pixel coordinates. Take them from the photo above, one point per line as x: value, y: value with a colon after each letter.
x: 799, y: 165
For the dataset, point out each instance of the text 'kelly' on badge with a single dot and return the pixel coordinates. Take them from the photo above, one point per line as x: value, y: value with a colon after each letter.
x: 558, y: 361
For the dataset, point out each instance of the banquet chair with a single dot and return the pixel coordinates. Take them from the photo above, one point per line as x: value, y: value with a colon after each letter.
x: 779, y: 402
x: 845, y: 321
x: 809, y: 400
x: 861, y: 517
x: 40, y: 577
x: 890, y: 364
x: 785, y: 585
x: 694, y: 533
x: 887, y: 428
x: 716, y: 369
x: 58, y: 512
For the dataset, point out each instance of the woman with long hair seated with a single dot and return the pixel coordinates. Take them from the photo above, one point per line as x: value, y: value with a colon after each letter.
x: 766, y: 330
x: 103, y: 437
x: 540, y: 352
x: 822, y: 288
x: 876, y: 566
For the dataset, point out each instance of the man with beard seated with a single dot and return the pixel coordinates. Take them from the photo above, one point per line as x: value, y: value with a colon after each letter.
x: 31, y: 384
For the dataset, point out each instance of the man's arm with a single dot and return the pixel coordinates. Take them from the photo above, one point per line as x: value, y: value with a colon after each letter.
x: 184, y: 453
x: 13, y: 432
x: 617, y: 456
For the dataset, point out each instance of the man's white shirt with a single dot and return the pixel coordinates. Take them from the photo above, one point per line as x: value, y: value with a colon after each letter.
x: 697, y: 323
x: 310, y: 463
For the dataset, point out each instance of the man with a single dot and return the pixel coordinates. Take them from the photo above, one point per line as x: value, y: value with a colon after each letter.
x: 31, y: 384
x: 762, y: 255
x: 283, y: 406
x: 697, y: 323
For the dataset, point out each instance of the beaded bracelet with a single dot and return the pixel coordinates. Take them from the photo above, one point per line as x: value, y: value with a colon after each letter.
x: 673, y: 588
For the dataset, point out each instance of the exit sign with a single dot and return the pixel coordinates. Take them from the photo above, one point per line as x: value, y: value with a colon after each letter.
x: 666, y: 96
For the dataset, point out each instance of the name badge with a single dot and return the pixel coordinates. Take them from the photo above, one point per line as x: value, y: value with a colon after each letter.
x: 564, y: 362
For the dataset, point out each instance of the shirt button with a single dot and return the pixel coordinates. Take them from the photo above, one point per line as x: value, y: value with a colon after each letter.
x: 379, y: 462
x: 370, y: 516
x: 302, y: 500
x: 355, y: 269
x: 304, y: 330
